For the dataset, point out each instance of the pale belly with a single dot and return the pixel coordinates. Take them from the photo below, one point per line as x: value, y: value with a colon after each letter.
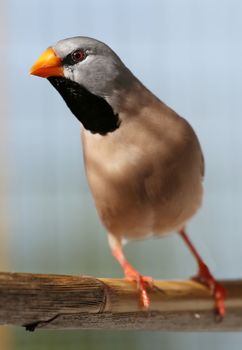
x: 136, y: 196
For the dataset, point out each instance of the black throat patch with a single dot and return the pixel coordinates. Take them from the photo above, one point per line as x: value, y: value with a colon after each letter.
x: 92, y: 111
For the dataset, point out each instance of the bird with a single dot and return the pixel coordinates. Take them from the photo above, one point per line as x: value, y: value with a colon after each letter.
x: 144, y: 162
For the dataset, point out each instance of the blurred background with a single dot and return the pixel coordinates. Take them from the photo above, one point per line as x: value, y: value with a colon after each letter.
x: 189, y: 54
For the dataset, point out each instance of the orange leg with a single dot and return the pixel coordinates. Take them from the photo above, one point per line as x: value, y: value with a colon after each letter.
x: 130, y: 273
x: 204, y: 276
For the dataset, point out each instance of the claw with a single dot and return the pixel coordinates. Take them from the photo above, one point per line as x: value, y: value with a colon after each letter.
x: 205, y: 277
x: 142, y: 283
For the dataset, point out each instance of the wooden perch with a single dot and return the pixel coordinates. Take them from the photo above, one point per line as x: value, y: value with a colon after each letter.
x: 72, y: 302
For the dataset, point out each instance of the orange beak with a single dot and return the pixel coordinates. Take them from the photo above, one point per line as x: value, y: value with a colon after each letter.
x: 48, y: 65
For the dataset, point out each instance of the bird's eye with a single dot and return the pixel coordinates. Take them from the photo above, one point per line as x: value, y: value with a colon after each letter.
x: 78, y: 55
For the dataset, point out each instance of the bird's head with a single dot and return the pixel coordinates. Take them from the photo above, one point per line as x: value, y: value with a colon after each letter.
x: 90, y: 77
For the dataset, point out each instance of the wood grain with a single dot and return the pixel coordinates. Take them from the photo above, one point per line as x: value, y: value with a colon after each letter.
x: 83, y: 302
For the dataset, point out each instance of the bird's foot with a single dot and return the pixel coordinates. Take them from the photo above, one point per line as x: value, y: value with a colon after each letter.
x: 205, y: 277
x: 142, y: 283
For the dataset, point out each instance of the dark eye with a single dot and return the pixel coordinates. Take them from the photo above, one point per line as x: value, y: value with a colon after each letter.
x: 78, y: 55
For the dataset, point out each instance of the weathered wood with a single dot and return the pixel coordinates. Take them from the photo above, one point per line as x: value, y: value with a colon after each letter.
x: 82, y: 302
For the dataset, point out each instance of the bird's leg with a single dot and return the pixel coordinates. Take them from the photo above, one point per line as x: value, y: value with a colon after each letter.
x: 204, y: 276
x: 130, y: 272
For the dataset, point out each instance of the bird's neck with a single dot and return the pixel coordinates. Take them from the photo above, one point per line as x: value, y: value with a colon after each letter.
x: 104, y: 114
x: 129, y: 102
x: 94, y: 112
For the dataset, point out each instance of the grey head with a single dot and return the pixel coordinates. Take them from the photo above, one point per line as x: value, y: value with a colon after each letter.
x: 93, y: 82
x: 93, y: 65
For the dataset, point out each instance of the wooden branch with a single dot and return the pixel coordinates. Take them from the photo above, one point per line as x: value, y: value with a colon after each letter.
x: 72, y: 302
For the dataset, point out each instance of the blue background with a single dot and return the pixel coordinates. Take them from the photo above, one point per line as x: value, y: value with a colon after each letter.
x: 189, y: 54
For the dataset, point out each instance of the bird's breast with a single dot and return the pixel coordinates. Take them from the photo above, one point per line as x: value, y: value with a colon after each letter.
x: 139, y: 184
